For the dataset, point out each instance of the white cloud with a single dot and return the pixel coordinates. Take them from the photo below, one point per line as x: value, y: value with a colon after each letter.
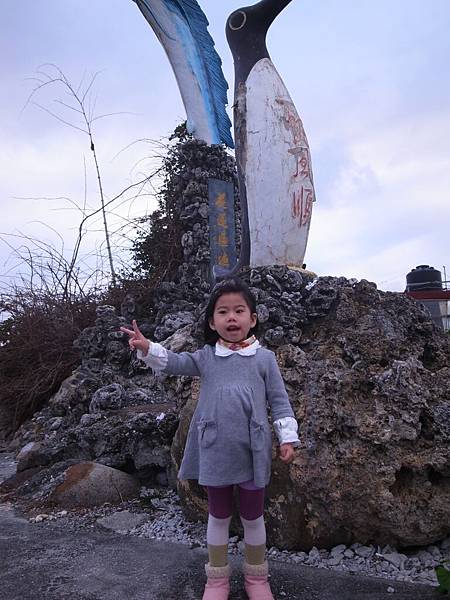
x: 371, y: 91
x: 40, y: 175
x: 386, y: 211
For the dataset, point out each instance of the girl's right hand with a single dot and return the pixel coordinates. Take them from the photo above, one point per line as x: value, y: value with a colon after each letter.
x: 136, y: 340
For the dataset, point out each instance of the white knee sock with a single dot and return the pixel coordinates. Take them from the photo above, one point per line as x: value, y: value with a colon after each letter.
x: 255, y: 540
x: 217, y: 532
x: 254, y: 531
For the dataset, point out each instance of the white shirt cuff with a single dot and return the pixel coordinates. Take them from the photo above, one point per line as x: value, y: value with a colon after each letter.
x: 156, y: 358
x: 287, y: 430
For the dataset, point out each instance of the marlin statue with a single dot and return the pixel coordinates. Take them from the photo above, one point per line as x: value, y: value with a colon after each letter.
x: 272, y: 152
x: 182, y: 28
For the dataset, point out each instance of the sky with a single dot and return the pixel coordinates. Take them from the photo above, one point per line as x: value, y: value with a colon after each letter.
x: 370, y: 81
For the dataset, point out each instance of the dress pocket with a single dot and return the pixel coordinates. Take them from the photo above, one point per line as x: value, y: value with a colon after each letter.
x: 257, y: 435
x: 207, y: 433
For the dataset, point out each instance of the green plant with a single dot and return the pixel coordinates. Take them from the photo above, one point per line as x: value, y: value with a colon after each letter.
x: 443, y: 576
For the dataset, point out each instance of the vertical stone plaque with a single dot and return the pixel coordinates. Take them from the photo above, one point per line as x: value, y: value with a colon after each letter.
x: 222, y: 237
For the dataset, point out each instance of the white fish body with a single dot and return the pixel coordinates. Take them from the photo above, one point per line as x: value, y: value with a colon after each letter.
x: 278, y: 171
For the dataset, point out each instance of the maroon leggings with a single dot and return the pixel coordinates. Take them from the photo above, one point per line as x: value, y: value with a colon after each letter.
x: 251, y: 501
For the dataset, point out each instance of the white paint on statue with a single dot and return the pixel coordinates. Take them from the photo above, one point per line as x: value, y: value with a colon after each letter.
x: 279, y: 182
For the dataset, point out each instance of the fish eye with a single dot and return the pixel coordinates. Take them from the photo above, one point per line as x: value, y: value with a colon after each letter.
x: 237, y: 20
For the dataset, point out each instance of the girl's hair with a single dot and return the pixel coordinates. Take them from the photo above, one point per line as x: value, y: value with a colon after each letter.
x: 231, y: 285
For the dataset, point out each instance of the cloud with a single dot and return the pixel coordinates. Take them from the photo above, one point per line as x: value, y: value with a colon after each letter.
x: 371, y: 90
x: 41, y: 175
x: 385, y: 212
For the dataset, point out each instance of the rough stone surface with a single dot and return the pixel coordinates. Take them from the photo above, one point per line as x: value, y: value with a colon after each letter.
x: 367, y: 372
x: 369, y: 384
x: 89, y: 484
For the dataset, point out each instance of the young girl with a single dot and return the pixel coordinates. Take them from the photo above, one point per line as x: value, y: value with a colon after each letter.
x: 229, y: 441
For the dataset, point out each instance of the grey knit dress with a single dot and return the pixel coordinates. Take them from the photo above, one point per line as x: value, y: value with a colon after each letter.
x: 229, y: 439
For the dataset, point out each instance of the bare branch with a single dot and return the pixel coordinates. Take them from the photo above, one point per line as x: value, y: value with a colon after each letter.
x: 59, y: 118
x: 94, y: 77
x: 68, y: 106
x: 114, y: 114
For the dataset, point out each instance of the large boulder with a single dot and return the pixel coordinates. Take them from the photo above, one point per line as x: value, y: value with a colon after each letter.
x: 367, y: 373
x: 369, y: 385
x: 89, y: 484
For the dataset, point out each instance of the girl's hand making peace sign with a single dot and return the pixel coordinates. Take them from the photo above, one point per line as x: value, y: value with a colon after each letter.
x: 136, y: 340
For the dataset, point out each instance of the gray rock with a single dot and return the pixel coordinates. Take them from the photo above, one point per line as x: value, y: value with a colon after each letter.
x: 172, y: 323
x: 262, y: 312
x: 88, y: 419
x: 426, y: 558
x: 36, y: 454
x: 162, y: 479
x: 435, y: 552
x: 337, y: 550
x: 55, y: 423
x: 387, y: 549
x: 116, y: 355
x: 395, y: 559
x: 335, y: 560
x: 109, y: 397
x: 365, y: 551
x: 90, y: 484
x: 275, y: 337
x: 122, y: 521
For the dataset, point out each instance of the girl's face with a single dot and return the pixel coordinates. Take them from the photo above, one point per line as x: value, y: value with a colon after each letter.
x: 232, y: 318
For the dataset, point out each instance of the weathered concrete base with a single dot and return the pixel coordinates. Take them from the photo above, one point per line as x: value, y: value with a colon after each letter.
x: 38, y: 561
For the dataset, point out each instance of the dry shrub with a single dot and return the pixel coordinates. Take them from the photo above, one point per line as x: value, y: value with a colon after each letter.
x: 142, y: 292
x: 58, y: 297
x: 36, y: 350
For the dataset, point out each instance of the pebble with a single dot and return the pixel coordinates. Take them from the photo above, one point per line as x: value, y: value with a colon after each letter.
x: 365, y: 551
x: 338, y: 550
x: 425, y: 558
x: 395, y: 559
x: 336, y: 560
x: 40, y: 518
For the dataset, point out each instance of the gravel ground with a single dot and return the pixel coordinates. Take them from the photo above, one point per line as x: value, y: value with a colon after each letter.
x: 158, y: 515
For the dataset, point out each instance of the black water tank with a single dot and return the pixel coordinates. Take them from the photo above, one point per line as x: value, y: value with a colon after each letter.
x: 423, y: 278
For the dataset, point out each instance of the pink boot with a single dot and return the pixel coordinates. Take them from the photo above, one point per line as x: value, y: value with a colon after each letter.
x: 218, y: 585
x: 256, y: 584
